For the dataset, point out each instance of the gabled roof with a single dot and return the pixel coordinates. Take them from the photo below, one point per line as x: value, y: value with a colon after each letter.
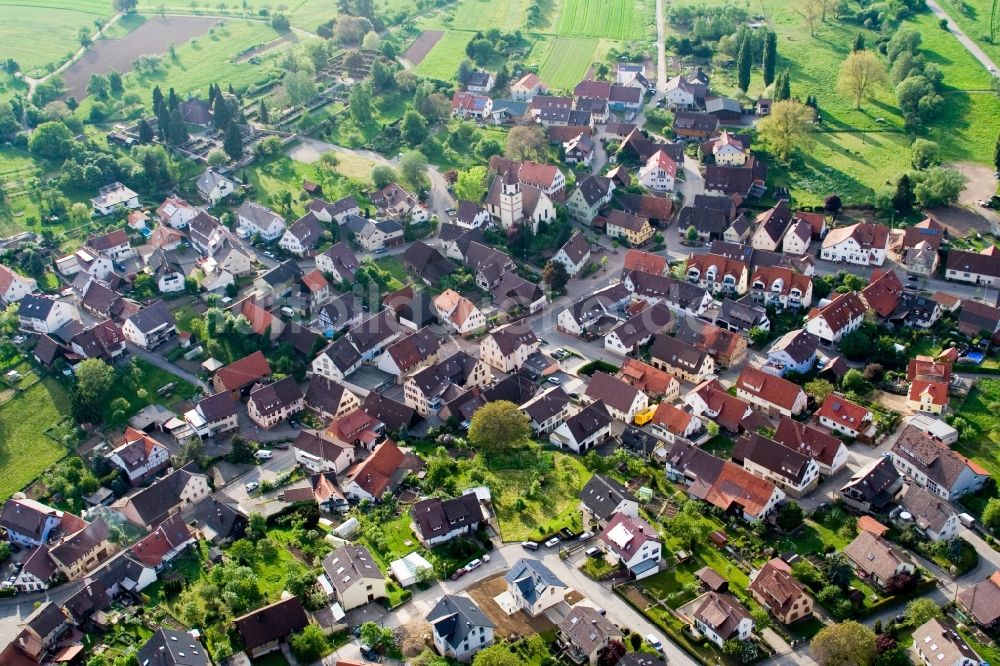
x: 244, y: 372
x: 592, y: 418
x: 172, y: 533
x: 436, y: 517
x: 167, y: 647
x: 613, y: 391
x: 982, y: 600
x: 799, y: 344
x: 455, y: 617
x: 374, y: 473
x: 883, y: 292
x: 271, y: 398
x: 841, y: 311
x: 873, y: 555
x: 273, y: 622
x: 770, y: 388
x: 807, y: 440
x: 602, y: 495
x: 868, y: 236
x: 532, y: 579
x: 775, y: 584
x: 577, y: 247
x: 722, y: 612
x: 939, y: 463
x: 771, y: 455
x: 844, y: 412
x: 976, y: 263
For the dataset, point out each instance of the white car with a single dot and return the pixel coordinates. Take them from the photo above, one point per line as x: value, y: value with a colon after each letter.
x: 586, y: 535
x: 252, y: 486
x: 654, y: 641
x: 552, y: 542
x: 474, y: 564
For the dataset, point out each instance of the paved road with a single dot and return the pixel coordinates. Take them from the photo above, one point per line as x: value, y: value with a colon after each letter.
x: 500, y: 561
x: 14, y: 610
x: 960, y: 35
x: 163, y: 364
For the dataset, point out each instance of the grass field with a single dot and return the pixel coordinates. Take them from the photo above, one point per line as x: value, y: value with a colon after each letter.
x: 283, y: 174
x: 973, y: 17
x: 614, y: 19
x: 304, y: 14
x: 53, y: 25
x: 858, y: 151
x: 565, y: 60
x: 442, y: 61
x: 25, y: 451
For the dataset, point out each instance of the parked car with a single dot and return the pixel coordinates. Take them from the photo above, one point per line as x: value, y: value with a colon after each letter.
x: 554, y: 380
x: 252, y: 486
x: 529, y: 545
x: 380, y: 250
x: 586, y: 535
x: 593, y: 551
x: 458, y: 574
x: 554, y: 541
x: 473, y: 565
x: 654, y: 641
x: 263, y: 454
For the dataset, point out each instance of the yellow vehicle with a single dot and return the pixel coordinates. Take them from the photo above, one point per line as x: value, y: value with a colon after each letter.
x: 645, y: 416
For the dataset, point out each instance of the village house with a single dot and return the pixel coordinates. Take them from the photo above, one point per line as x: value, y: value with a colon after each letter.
x: 742, y: 316
x: 974, y: 267
x: 873, y: 487
x: 863, y: 243
x: 830, y: 323
x: 574, y: 255
x: 547, y: 410
x: 354, y: 575
x: 317, y: 453
x: 177, y: 491
x: 794, y: 472
x: 639, y: 329
x: 658, y: 173
x: 460, y: 627
x: 427, y: 263
x: 721, y: 483
x: 728, y: 149
x: 671, y: 423
x: 797, y: 238
x: 829, y: 452
x: 584, y: 430
x: 338, y: 211
x: 937, y: 642
x: 270, y: 404
x: 603, y: 498
x: 932, y: 465
x: 634, y: 229
x: 44, y: 314
x: 507, y: 348
x: 429, y: 389
x: 631, y: 542
x: 303, y: 236
x: 694, y: 125
x: 717, y: 274
x: 875, y: 560
x: 379, y: 472
x: 410, y: 353
x: 329, y: 398
x: 719, y: 617
x: 213, y: 187
x: 437, y: 521
x: 776, y: 589
x: 176, y: 212
x: 652, y: 381
x: 213, y: 415
x: 459, y: 312
x: 533, y: 587
x: 841, y: 415
x: 262, y: 631
x: 168, y: 647
x: 681, y: 359
x: 112, y: 198
x: 242, y: 374
x: 151, y: 326
x: 139, y: 456
x: 394, y: 202
x: 257, y: 220
x: 982, y: 601
x: 339, y: 262
x: 585, y: 634
x: 729, y: 349
x: 622, y: 399
x: 590, y: 195
x: 771, y: 227
x: 471, y: 105
x: 780, y: 287
x: 932, y: 516
x: 770, y: 393
x: 14, y: 286
x: 525, y: 88
x: 979, y: 320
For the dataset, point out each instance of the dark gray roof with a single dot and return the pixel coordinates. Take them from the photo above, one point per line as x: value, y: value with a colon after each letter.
x: 348, y: 565
x: 168, y: 647
x: 455, y: 617
x: 543, y: 407
x: 602, y: 495
x: 217, y: 407
x: 272, y: 397
x: 532, y: 578
x: 152, y: 316
x: 773, y: 456
x: 284, y: 273
x: 436, y: 517
x: 36, y: 307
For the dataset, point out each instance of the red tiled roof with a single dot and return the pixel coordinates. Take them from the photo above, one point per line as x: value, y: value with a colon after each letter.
x: 673, y: 419
x: 840, y: 410
x: 375, y: 472
x: 841, y: 310
x: 645, y: 377
x: 637, y: 260
x: 882, y: 293
x: 771, y: 388
x: 937, y: 390
x: 314, y: 281
x: 243, y: 372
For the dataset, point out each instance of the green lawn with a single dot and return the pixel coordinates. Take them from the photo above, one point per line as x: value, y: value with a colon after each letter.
x: 394, y: 267
x: 25, y: 451
x: 284, y: 174
x: 473, y: 15
x: 980, y: 410
x: 556, y: 506
x: 564, y: 60
x: 53, y: 26
x: 152, y: 379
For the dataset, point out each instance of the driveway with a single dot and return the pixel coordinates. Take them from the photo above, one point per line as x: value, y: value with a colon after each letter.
x: 163, y: 364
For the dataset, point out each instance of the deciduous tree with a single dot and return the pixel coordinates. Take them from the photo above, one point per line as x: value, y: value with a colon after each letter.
x: 811, y: 12
x: 498, y: 426
x: 786, y: 128
x: 94, y: 378
x: 860, y: 75
x: 845, y: 644
x: 526, y: 142
x: 471, y: 184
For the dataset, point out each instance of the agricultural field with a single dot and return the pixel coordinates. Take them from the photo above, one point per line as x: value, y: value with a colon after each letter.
x: 19, y: 176
x: 54, y: 26
x: 211, y: 58
x: 614, y: 19
x: 25, y: 450
x: 473, y: 15
x: 981, y: 409
x: 441, y: 62
x: 565, y: 60
x: 303, y: 14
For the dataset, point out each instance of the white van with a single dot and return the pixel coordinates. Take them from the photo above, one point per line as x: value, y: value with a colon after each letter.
x: 287, y: 311
x: 263, y: 454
